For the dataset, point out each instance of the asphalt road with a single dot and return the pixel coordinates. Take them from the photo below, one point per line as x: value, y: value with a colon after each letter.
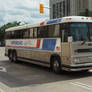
x: 23, y: 74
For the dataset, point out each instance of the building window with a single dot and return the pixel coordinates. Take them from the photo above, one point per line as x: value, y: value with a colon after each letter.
x: 68, y: 7
x: 63, y: 8
x: 54, y: 12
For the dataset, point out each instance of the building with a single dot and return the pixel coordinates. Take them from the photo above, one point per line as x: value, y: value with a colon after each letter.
x: 60, y: 8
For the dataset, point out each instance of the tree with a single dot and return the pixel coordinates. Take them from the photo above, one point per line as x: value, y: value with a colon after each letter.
x: 83, y: 13
x: 4, y: 27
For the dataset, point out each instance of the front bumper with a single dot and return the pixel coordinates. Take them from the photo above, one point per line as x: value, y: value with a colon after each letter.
x: 78, y: 67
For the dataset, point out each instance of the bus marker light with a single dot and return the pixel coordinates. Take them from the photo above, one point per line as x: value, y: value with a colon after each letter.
x: 70, y: 18
x: 57, y: 48
x: 82, y: 18
x: 86, y: 18
x: 66, y: 18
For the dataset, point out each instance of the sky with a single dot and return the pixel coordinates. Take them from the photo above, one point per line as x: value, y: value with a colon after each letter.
x: 26, y: 11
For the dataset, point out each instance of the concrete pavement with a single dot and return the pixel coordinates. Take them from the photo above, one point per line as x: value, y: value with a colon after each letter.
x: 2, y: 54
x: 79, y: 85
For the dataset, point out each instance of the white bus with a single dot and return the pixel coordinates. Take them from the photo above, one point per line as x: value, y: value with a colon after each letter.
x: 61, y: 44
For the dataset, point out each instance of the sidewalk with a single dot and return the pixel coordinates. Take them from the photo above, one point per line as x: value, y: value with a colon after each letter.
x: 2, y: 54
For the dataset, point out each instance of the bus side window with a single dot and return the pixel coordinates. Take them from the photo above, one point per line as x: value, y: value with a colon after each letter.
x: 26, y: 33
x: 8, y: 34
x: 43, y: 32
x: 56, y: 31
x: 51, y: 29
x: 31, y: 33
x: 35, y: 32
x: 19, y: 34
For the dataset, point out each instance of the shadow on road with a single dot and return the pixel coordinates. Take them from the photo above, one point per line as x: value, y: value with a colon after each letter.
x: 24, y: 74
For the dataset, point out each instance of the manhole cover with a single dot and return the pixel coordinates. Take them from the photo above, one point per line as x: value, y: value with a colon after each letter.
x: 3, y: 69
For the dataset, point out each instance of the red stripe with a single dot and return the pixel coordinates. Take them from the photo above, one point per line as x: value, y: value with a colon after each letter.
x: 21, y: 46
x: 38, y: 43
x: 42, y: 23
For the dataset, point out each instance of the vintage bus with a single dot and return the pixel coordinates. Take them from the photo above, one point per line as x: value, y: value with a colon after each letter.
x: 61, y: 44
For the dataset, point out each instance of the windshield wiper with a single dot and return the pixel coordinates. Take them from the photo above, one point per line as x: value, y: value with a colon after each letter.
x: 83, y: 42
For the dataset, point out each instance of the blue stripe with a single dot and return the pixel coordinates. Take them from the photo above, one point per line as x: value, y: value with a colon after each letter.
x: 54, y: 21
x: 49, y: 44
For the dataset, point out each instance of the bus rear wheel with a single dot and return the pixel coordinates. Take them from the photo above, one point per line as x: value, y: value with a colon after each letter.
x: 11, y: 57
x: 56, y: 65
x: 15, y: 57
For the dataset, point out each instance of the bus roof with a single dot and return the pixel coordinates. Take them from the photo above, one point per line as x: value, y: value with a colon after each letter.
x: 54, y: 21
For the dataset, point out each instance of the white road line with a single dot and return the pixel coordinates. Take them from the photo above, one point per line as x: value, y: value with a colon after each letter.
x: 82, y: 85
x: 3, y: 69
x: 89, y: 86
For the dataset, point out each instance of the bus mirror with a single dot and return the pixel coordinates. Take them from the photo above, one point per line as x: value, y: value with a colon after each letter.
x: 70, y: 39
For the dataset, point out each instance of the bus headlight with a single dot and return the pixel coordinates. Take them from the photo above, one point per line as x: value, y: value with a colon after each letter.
x: 76, y: 60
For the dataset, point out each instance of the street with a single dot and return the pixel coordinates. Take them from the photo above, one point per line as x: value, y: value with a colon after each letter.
x: 27, y: 77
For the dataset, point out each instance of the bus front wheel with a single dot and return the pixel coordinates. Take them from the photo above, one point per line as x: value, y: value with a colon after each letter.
x: 56, y: 65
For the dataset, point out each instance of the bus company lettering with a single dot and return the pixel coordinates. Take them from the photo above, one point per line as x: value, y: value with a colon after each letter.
x: 29, y: 42
x: 17, y: 42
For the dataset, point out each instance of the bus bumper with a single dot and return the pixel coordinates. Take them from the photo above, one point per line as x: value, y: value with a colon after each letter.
x: 78, y: 67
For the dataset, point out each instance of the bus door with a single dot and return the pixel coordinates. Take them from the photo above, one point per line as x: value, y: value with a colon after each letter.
x: 66, y: 49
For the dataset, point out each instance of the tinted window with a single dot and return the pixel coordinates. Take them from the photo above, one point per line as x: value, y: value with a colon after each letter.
x: 35, y: 32
x: 64, y: 30
x: 79, y: 31
x: 43, y: 32
x: 31, y: 33
x: 18, y: 34
x: 53, y: 31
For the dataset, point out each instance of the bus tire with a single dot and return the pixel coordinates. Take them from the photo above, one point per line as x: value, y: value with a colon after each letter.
x: 15, y: 57
x: 56, y: 65
x: 10, y: 57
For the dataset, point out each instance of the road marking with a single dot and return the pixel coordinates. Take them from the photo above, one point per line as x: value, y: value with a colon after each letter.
x: 3, y: 69
x: 82, y: 85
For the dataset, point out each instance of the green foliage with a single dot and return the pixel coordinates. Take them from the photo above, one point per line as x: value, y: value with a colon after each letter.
x: 4, y: 27
x: 83, y: 13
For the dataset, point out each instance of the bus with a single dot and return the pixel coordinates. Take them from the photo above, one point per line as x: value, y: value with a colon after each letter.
x: 61, y: 44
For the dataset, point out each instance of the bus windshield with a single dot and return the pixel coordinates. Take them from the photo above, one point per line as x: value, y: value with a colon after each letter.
x: 81, y: 31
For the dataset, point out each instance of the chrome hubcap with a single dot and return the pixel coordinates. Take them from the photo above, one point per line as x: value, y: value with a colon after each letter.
x: 14, y: 57
x: 56, y: 65
x: 10, y: 57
